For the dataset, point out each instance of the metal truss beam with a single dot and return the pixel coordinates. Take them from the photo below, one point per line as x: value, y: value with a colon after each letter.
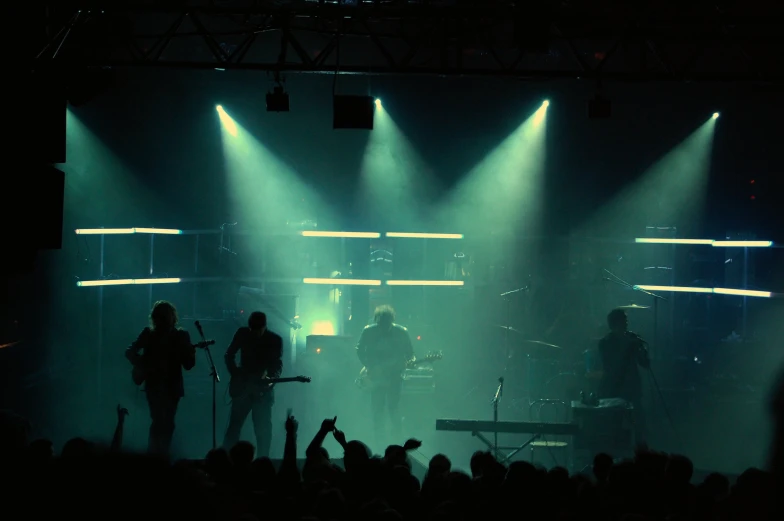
x: 404, y: 38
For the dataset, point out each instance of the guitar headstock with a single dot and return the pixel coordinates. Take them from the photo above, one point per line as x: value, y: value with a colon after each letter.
x: 302, y: 379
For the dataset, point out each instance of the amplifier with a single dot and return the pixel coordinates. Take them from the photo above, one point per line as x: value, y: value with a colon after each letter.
x: 606, y: 427
x: 419, y: 381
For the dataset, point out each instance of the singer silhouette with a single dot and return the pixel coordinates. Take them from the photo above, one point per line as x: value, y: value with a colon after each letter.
x: 161, y: 352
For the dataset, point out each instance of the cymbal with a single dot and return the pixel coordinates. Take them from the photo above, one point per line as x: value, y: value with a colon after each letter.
x: 633, y: 306
x: 539, y: 343
x: 510, y: 329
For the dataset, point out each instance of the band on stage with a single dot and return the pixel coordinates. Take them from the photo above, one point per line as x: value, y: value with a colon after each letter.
x: 254, y: 360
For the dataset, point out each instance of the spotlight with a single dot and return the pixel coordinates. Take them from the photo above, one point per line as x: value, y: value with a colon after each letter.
x: 715, y: 115
x: 546, y: 103
x: 219, y: 108
x: 355, y: 112
x: 277, y: 100
x: 378, y: 103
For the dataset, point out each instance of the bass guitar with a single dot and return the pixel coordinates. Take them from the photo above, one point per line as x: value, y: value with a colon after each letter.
x: 378, y: 376
x: 243, y: 385
x: 140, y: 372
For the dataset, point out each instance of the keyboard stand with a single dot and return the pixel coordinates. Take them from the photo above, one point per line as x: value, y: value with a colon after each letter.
x: 496, y: 450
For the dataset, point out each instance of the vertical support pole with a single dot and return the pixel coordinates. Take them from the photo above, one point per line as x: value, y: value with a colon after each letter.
x: 425, y: 275
x: 744, y: 310
x: 152, y: 256
x: 99, y: 353
x: 195, y: 287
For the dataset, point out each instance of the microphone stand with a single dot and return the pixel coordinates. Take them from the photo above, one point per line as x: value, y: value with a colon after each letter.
x: 215, y: 380
x: 507, y: 296
x: 497, y: 398
x: 656, y: 298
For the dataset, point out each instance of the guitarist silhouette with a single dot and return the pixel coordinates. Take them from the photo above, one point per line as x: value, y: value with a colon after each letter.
x: 159, y: 355
x: 385, y: 350
x: 261, y: 353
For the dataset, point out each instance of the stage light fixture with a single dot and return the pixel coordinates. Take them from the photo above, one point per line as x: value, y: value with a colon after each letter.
x: 341, y: 282
x: 715, y: 115
x: 676, y: 289
x: 425, y: 283
x: 646, y: 240
x: 126, y: 282
x: 343, y: 235
x: 743, y: 244
x: 353, y: 112
x: 406, y: 235
x: 277, y: 100
x: 127, y: 231
x: 717, y: 291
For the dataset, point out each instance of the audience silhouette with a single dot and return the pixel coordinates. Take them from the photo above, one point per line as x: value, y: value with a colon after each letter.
x: 95, y: 482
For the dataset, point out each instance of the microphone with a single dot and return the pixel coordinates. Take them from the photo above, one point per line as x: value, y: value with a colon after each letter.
x: 198, y: 328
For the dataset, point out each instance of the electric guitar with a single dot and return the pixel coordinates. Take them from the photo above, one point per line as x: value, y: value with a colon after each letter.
x: 377, y: 376
x: 140, y: 372
x: 243, y: 385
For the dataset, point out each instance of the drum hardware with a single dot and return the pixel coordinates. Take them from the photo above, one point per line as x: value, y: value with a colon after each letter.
x: 633, y: 306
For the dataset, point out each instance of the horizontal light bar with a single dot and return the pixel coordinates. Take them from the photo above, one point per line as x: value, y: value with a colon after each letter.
x: 342, y: 282
x: 677, y: 289
x: 346, y: 235
x: 640, y: 240
x: 425, y: 283
x: 126, y: 231
x: 743, y: 292
x: 718, y: 291
x: 724, y: 244
x: 403, y: 235
x: 743, y: 244
x: 126, y: 282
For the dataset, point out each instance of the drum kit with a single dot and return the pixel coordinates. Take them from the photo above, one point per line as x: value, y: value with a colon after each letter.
x: 536, y: 370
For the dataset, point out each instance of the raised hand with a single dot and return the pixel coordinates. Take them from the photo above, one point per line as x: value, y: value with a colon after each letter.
x: 340, y: 437
x: 291, y: 425
x: 329, y: 425
x: 122, y: 412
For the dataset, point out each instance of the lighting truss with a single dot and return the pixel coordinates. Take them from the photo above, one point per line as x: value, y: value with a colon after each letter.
x: 580, y: 40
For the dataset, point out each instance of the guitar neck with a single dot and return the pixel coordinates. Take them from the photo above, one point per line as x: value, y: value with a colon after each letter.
x: 281, y: 380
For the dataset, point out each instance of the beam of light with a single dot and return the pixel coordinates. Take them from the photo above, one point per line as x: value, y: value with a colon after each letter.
x: 228, y: 123
x: 98, y: 182
x: 342, y: 282
x: 743, y: 244
x: 425, y: 283
x: 671, y: 192
x: 503, y: 192
x: 645, y: 240
x: 396, y: 186
x: 715, y: 115
x: 126, y: 282
x: 127, y: 231
x: 742, y: 292
x: 718, y: 291
x: 346, y: 235
x: 404, y: 235
x: 265, y: 192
